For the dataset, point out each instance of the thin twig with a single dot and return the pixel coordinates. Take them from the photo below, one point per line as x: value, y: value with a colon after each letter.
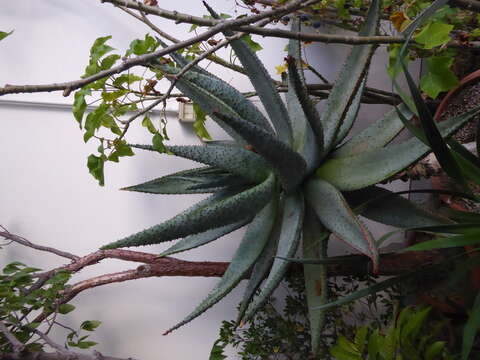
x: 16, y: 344
x: 18, y: 239
x: 51, y: 343
x: 220, y: 26
x: 176, y: 77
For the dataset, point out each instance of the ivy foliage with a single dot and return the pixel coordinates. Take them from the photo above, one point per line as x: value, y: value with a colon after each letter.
x: 21, y: 302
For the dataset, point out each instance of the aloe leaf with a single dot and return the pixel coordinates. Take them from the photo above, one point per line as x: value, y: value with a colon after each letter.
x: 182, y: 61
x: 367, y: 291
x: 315, y: 242
x: 250, y: 248
x: 233, y: 98
x: 470, y: 329
x: 386, y: 207
x: 375, y: 136
x: 469, y: 164
x: 335, y: 214
x: 464, y: 152
x: 307, y: 127
x: 197, y: 240
x: 447, y: 242
x: 432, y: 134
x: 308, y: 141
x: 212, y: 93
x: 351, y: 115
x: 263, y: 84
x: 235, y: 160
x: 199, y: 219
x: 349, y: 81
x: 194, y: 181
x: 288, y: 164
x: 344, y: 259
x: 289, y: 236
x: 371, y: 167
x: 262, y: 265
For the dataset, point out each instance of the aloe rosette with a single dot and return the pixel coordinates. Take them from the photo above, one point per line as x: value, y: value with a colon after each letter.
x: 297, y: 182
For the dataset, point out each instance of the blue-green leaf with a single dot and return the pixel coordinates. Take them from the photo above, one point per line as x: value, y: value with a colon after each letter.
x: 315, y: 241
x: 371, y: 167
x: 208, y: 215
x: 351, y: 115
x: 335, y: 214
x: 386, y: 207
x: 288, y: 164
x: 261, y: 268
x: 264, y: 86
x: 447, y: 242
x: 307, y: 127
x: 197, y: 240
x: 195, y: 181
x: 217, y: 95
x: 289, y: 236
x: 349, y: 81
x: 235, y: 160
x: 181, y: 60
x: 247, y: 253
x: 376, y: 135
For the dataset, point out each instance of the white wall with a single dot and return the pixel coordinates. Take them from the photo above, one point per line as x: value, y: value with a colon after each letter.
x: 48, y: 196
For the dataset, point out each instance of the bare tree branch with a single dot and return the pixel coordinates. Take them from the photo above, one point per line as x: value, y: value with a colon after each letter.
x: 286, y: 34
x: 391, y: 264
x: 68, y: 87
x: 71, y: 355
x: 51, y: 343
x: 176, y: 77
x: 212, y: 57
x: 20, y: 240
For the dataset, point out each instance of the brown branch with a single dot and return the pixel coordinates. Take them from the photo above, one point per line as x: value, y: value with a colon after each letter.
x: 286, y: 34
x: 391, y: 264
x: 68, y: 87
x: 20, y: 240
x: 212, y: 57
x: 471, y: 5
x: 71, y: 355
x: 177, y: 76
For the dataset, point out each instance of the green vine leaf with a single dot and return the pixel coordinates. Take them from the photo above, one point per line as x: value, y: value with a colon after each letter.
x: 147, y: 123
x: 4, y: 34
x: 253, y: 45
x: 97, y: 51
x: 140, y: 47
x: 121, y: 149
x: 126, y: 79
x: 95, y: 166
x: 439, y: 77
x: 199, y: 124
x: 157, y: 142
x: 80, y: 105
x: 434, y: 34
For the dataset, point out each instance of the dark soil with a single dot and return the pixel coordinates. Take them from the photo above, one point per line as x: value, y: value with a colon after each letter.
x: 466, y: 99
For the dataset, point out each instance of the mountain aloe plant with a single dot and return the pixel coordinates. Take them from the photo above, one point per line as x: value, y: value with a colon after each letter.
x: 291, y: 177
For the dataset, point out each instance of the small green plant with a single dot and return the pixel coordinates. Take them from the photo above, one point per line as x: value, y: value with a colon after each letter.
x: 410, y: 336
x: 275, y: 334
x: 23, y: 299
